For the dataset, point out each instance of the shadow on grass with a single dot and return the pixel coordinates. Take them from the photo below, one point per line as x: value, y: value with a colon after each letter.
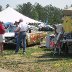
x: 33, y: 61
x: 49, y: 60
x: 50, y: 54
x: 9, y: 46
x: 48, y: 57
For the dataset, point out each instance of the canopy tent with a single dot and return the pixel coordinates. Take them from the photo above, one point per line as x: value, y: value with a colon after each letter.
x: 11, y: 15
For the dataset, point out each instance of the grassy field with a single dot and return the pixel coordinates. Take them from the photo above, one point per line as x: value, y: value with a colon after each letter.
x: 35, y: 60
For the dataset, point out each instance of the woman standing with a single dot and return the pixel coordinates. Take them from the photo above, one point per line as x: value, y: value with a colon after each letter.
x: 2, y: 31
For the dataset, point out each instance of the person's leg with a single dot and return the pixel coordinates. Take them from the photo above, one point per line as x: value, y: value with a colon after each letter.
x: 18, y: 39
x: 1, y: 48
x: 17, y: 47
x: 24, y: 42
x: 1, y: 43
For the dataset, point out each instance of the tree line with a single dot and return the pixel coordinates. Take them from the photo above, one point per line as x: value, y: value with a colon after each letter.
x: 48, y: 13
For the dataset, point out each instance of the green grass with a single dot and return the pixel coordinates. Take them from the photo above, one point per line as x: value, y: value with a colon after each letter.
x: 36, y: 60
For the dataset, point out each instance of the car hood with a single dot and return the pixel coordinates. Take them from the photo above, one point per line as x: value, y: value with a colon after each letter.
x: 9, y: 34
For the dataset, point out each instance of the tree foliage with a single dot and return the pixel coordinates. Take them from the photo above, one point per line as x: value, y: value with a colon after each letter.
x: 25, y: 9
x: 54, y: 14
x: 41, y: 12
x: 38, y: 12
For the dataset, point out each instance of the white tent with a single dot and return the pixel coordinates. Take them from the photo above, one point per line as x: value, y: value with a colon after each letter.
x: 11, y: 15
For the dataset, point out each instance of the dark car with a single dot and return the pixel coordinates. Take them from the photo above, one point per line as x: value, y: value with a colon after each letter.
x: 46, y: 28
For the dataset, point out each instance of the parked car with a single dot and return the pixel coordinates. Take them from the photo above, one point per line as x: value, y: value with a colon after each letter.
x: 32, y: 38
x: 46, y: 28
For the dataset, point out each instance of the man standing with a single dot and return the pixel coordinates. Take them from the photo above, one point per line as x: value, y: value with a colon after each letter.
x: 22, y: 29
x: 17, y: 33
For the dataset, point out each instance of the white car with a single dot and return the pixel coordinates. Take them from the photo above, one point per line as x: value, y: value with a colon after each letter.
x: 8, y: 37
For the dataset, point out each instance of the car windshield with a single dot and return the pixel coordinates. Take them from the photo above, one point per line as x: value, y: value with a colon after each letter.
x: 11, y: 29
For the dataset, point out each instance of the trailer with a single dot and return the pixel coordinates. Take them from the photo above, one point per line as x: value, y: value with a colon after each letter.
x: 67, y: 25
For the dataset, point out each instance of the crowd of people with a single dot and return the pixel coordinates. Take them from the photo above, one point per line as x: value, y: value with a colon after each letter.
x: 20, y: 34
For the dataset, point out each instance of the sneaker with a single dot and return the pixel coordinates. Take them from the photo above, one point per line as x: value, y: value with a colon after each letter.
x: 24, y: 53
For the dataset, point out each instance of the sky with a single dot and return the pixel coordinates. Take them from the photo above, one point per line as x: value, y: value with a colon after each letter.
x: 57, y: 3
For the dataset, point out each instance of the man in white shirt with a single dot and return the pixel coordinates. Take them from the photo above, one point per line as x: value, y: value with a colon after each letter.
x: 22, y: 29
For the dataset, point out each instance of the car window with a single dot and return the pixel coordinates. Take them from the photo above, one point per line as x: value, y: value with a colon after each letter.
x: 11, y: 29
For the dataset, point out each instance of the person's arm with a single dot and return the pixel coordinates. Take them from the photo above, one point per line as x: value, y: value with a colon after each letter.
x: 17, y: 29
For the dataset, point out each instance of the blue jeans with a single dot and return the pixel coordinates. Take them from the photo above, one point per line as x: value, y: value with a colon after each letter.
x: 21, y: 38
x: 16, y: 37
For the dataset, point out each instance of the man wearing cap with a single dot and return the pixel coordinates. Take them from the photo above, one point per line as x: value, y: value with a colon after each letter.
x: 22, y: 29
